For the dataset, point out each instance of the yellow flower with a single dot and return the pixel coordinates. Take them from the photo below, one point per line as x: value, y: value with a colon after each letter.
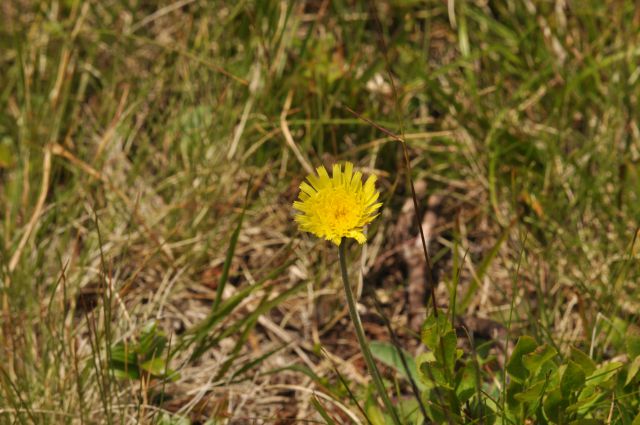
x: 339, y: 206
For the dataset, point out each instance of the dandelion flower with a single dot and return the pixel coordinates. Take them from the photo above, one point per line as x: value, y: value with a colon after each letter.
x: 339, y: 206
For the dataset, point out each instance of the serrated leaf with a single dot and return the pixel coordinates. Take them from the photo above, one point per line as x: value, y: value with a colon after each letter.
x: 421, y: 359
x: 515, y: 367
x: 430, y: 333
x: 572, y: 380
x: 534, y: 361
x: 582, y: 360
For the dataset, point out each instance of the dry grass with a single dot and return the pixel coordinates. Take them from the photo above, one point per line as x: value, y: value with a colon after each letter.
x: 133, y: 139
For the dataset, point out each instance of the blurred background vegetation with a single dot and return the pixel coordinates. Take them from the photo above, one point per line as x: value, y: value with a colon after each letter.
x: 150, y: 153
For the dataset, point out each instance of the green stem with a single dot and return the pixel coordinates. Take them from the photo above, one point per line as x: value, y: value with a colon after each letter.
x: 362, y: 340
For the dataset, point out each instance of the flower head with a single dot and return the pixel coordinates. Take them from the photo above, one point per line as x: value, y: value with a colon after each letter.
x: 339, y: 206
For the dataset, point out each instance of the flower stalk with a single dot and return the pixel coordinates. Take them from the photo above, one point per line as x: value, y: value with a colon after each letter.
x: 362, y: 340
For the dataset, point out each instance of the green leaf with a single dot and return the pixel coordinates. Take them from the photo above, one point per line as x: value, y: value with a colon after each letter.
x: 446, y: 353
x: 466, y: 382
x: 604, y: 373
x: 433, y: 329
x: 156, y: 367
x: 636, y: 420
x: 374, y: 413
x: 433, y: 371
x: 409, y: 411
x: 425, y: 378
x: 572, y: 380
x: 633, y: 370
x: 554, y: 405
x: 389, y: 355
x: 515, y: 367
x: 632, y: 341
x: 433, y: 400
x: 6, y: 156
x: 534, y: 361
x: 582, y: 360
x: 129, y: 360
x: 514, y: 389
x: 123, y: 361
x: 585, y: 403
x: 124, y: 371
x: 532, y: 394
x: 123, y: 353
x: 152, y: 342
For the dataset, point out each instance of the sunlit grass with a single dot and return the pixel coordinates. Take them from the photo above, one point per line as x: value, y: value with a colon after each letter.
x: 149, y: 157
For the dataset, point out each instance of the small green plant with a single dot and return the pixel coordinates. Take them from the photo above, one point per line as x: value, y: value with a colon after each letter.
x: 448, y: 387
x: 145, y: 357
x: 543, y: 386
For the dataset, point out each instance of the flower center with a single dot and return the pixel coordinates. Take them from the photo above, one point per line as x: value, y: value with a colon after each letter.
x: 337, y: 208
x: 340, y: 212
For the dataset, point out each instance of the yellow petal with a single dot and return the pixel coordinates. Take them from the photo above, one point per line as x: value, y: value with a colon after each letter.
x: 372, y: 198
x: 314, y: 181
x: 336, y: 179
x: 358, y: 236
x: 302, y: 206
x: 306, y: 188
x: 348, y: 173
x: 373, y: 208
x: 356, y: 183
x: 320, y: 181
x: 370, y: 185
